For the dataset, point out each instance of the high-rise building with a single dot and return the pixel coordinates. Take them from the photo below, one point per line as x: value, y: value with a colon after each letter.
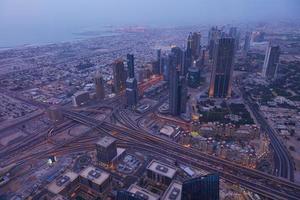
x: 213, y: 35
x: 173, y: 82
x: 130, y: 65
x: 178, y: 53
x: 177, y: 87
x: 196, y: 45
x: 106, y: 149
x: 183, y: 93
x: 119, y: 76
x: 157, y: 68
x: 188, y: 56
x: 271, y: 61
x: 131, y: 91
x: 165, y: 67
x: 234, y: 33
x: 131, y: 83
x: 221, y: 76
x: 99, y: 86
x: 203, y: 187
x: 193, y: 77
x: 247, y: 42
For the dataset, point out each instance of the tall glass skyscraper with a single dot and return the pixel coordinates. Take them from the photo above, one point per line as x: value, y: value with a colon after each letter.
x: 201, y: 188
x: 119, y: 76
x: 271, y: 61
x: 221, y: 76
x: 130, y: 65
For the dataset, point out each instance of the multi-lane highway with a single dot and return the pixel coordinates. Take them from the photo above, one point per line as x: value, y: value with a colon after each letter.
x: 259, y: 182
x: 284, y: 166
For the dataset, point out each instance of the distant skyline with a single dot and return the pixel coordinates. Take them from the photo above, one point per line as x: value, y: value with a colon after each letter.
x: 30, y: 21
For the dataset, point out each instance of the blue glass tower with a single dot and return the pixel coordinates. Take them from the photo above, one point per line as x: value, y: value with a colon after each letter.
x: 201, y: 188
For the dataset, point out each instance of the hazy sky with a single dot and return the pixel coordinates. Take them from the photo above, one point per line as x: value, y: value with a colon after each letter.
x: 51, y: 16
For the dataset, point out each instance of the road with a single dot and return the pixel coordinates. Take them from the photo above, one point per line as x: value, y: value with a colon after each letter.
x: 265, y: 184
x: 284, y: 165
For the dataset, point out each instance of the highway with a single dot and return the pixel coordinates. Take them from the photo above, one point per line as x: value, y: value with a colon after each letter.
x: 265, y: 184
x: 284, y: 166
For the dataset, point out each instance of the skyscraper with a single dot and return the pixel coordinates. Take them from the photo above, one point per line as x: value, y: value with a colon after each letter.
x: 203, y: 187
x: 188, y: 56
x: 196, y: 45
x: 130, y: 65
x: 213, y: 35
x: 247, y: 42
x: 193, y: 77
x: 119, y: 76
x: 131, y: 82
x: 99, y: 86
x: 158, y: 64
x: 271, y: 61
x: 183, y: 92
x: 173, y: 82
x: 178, y: 88
x: 221, y: 76
x: 178, y: 53
x: 234, y: 33
x: 131, y: 91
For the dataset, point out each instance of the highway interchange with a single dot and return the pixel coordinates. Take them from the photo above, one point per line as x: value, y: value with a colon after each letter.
x: 131, y: 135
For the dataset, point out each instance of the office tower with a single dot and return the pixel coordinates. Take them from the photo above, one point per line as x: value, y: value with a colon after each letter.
x: 203, y: 187
x: 106, y: 149
x: 193, y: 77
x: 173, y: 81
x: 119, y: 76
x: 271, y: 62
x: 188, y: 56
x: 131, y: 91
x: 165, y: 68
x: 183, y: 92
x: 130, y: 65
x: 131, y: 83
x: 247, y: 42
x: 125, y: 195
x: 99, y: 86
x: 234, y: 33
x: 203, y: 58
x: 213, y: 35
x: 178, y: 88
x: 196, y: 45
x: 178, y: 53
x: 221, y: 76
x: 158, y: 66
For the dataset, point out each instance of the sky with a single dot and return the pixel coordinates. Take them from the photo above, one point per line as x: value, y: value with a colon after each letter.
x: 19, y: 18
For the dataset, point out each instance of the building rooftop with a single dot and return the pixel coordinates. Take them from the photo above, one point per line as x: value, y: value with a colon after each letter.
x: 167, y: 130
x: 106, y: 141
x: 95, y: 175
x: 173, y: 192
x: 60, y: 183
x: 145, y: 194
x: 162, y: 168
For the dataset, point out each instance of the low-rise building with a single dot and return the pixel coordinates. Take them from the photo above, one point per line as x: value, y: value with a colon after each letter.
x: 64, y: 184
x: 143, y: 193
x: 95, y: 178
x: 173, y: 192
x: 160, y: 172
